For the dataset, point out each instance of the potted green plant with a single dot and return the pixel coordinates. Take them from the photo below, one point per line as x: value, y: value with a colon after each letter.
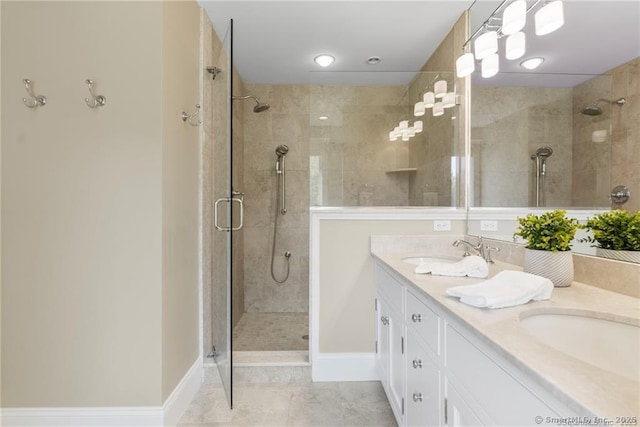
x: 616, y: 235
x: 548, y: 249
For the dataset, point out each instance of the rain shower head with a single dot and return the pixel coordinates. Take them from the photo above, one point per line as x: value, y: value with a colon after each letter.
x: 282, y: 150
x: 594, y: 110
x: 260, y: 106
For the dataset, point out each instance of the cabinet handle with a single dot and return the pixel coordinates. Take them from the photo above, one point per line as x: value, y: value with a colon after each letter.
x: 417, y: 363
x: 416, y: 318
x: 417, y: 397
x: 384, y: 320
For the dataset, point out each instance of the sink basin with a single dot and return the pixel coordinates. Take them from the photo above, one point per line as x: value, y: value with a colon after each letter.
x: 428, y: 258
x: 610, y: 345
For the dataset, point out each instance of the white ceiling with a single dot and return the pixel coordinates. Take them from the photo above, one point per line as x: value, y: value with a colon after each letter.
x: 275, y: 41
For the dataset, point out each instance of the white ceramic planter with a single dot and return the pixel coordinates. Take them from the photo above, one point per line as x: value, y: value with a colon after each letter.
x: 555, y: 266
x: 629, y: 256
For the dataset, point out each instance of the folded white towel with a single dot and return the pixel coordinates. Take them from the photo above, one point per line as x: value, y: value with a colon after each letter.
x: 505, y: 289
x: 472, y: 266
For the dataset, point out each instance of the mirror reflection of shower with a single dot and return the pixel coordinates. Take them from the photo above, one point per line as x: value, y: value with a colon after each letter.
x: 540, y: 157
x: 281, y: 207
x: 259, y: 107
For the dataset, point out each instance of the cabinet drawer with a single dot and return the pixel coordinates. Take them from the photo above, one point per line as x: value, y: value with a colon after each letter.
x: 389, y: 288
x: 425, y: 322
x: 502, y: 398
x: 423, y: 385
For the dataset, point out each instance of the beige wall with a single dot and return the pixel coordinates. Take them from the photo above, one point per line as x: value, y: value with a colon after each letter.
x: 180, y: 182
x: 347, y: 288
x: 93, y: 203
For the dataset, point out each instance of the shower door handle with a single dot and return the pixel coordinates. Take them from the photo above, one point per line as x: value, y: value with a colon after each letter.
x: 215, y: 214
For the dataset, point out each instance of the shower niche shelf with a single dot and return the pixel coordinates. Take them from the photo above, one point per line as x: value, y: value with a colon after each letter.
x: 402, y: 170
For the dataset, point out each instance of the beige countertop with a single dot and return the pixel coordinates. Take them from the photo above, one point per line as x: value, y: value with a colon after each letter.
x: 577, y: 384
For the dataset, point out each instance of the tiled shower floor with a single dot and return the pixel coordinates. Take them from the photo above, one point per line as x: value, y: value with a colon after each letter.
x: 271, y: 332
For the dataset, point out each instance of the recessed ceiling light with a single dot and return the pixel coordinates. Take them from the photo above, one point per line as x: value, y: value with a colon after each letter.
x: 532, y: 63
x: 372, y: 60
x: 323, y: 117
x: 324, y: 60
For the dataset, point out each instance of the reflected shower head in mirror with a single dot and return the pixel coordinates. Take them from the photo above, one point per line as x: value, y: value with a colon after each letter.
x: 282, y: 150
x: 594, y: 110
x: 544, y: 152
x: 260, y: 106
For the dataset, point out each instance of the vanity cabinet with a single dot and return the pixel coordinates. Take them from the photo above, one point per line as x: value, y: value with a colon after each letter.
x: 437, y: 372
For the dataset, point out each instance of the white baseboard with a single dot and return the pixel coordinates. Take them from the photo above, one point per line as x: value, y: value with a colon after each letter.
x: 344, y: 367
x: 179, y: 399
x: 157, y: 416
x: 76, y: 417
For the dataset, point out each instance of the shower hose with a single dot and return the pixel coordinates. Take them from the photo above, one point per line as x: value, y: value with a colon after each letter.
x: 287, y: 254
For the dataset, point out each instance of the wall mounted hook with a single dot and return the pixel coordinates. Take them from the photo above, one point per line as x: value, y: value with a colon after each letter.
x: 189, y: 117
x: 32, y: 101
x: 96, y: 100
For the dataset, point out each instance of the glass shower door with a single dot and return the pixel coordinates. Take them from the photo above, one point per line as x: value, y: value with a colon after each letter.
x: 224, y: 208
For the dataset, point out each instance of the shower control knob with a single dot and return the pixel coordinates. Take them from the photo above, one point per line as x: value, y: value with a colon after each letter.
x: 416, y: 318
x: 620, y: 195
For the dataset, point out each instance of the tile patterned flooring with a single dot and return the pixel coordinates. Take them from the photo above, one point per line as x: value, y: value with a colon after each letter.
x: 271, y: 332
x: 291, y: 404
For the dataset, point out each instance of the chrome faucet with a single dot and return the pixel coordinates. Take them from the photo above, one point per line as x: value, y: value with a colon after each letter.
x: 478, y: 247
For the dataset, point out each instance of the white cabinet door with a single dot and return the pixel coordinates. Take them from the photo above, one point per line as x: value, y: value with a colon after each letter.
x: 382, y: 341
x: 423, y: 385
x: 396, y: 362
x: 458, y: 413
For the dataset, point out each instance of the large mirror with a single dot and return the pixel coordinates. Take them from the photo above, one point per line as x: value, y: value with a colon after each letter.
x: 566, y: 133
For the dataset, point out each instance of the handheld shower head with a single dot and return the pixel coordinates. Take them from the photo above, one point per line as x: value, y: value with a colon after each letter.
x: 282, y: 150
x: 544, y: 152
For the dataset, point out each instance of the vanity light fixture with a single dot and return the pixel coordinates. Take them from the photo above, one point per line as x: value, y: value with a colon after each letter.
x: 449, y: 100
x: 514, y: 17
x: 508, y: 19
x: 324, y: 60
x: 490, y: 66
x: 515, y: 46
x: 440, y: 89
x: 549, y: 18
x: 465, y: 65
x: 486, y: 44
x: 438, y: 109
x: 532, y: 63
x: 429, y: 99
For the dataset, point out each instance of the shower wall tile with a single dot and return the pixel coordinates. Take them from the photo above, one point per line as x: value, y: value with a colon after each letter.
x: 625, y: 145
x: 509, y: 124
x: 286, y: 122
